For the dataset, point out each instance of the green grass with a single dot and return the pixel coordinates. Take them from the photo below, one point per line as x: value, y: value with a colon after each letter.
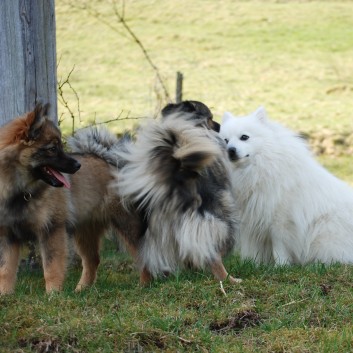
x: 295, y: 58
x: 275, y: 309
x: 341, y: 167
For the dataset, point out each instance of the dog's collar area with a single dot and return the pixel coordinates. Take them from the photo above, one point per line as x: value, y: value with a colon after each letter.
x: 27, y: 195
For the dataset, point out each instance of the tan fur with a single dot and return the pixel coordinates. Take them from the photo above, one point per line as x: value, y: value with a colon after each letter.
x: 29, y: 207
x: 220, y: 273
x: 96, y: 210
x: 8, y: 265
x: 53, y: 248
x: 17, y: 131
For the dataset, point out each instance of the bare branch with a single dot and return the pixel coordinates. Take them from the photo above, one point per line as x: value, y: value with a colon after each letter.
x: 96, y: 14
x: 122, y: 20
x: 119, y: 118
x: 127, y: 33
x: 62, y: 99
x: 131, y: 34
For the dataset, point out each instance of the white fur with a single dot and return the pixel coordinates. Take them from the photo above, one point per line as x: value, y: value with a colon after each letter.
x: 170, y: 243
x: 178, y: 236
x: 292, y: 210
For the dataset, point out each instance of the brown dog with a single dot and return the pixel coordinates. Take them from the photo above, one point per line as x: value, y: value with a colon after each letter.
x: 33, y: 204
x: 96, y: 207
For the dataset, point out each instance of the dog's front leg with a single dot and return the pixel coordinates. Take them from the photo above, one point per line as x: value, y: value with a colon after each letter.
x: 220, y: 273
x: 9, y: 258
x: 53, y: 247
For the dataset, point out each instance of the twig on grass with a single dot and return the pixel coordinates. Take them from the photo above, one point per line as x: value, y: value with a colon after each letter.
x: 222, y: 288
x: 294, y: 302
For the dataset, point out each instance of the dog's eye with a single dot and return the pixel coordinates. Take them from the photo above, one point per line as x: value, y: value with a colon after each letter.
x: 226, y: 141
x: 244, y: 137
x: 52, y: 149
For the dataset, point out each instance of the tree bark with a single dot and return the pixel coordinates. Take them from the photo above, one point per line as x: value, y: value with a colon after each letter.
x: 27, y: 57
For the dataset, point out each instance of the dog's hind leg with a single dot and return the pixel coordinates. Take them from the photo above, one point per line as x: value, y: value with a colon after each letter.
x: 53, y: 247
x: 145, y: 276
x: 87, y: 240
x: 130, y: 226
x: 9, y: 257
x: 219, y: 272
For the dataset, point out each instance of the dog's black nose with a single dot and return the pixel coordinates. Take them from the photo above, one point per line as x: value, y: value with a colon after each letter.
x: 232, y: 153
x: 77, y: 165
x: 73, y: 165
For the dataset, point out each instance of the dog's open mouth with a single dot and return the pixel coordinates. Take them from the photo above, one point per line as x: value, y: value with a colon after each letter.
x: 54, y: 177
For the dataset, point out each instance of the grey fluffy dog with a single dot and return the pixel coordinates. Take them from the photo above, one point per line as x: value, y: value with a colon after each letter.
x: 177, y: 173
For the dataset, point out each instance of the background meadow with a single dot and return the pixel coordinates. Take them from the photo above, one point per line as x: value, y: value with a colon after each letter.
x: 293, y: 57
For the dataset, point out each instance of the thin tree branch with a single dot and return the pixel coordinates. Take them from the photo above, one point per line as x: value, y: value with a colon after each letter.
x: 131, y: 34
x: 141, y: 46
x: 64, y: 101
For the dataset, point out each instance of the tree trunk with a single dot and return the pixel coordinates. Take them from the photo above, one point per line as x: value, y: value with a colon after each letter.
x: 27, y: 57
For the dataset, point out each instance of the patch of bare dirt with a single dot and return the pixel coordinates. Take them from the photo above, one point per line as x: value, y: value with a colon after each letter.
x: 237, y: 323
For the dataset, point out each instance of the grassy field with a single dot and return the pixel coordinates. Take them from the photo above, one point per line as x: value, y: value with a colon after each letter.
x: 275, y: 309
x: 293, y: 57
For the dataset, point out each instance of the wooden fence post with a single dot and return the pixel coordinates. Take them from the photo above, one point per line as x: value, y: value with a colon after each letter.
x: 27, y: 57
x: 179, y: 87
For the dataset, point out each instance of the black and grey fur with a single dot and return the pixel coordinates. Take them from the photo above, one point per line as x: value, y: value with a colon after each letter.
x: 177, y: 172
x: 199, y: 112
x: 99, y: 142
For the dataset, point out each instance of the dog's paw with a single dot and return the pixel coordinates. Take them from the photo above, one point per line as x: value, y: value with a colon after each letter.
x: 234, y: 280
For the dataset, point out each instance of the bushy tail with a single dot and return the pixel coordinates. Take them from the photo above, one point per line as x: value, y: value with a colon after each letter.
x: 99, y: 142
x: 166, y: 161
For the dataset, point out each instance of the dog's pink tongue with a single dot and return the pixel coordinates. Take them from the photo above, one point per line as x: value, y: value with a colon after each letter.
x: 60, y: 177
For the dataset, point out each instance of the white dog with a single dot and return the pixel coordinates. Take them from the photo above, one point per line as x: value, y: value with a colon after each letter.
x: 292, y: 209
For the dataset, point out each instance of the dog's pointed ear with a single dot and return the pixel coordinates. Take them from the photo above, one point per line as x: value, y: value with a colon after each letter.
x: 260, y: 114
x: 226, y: 116
x: 39, y: 113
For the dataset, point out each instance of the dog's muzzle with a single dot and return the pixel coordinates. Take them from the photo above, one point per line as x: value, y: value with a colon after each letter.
x: 232, y: 153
